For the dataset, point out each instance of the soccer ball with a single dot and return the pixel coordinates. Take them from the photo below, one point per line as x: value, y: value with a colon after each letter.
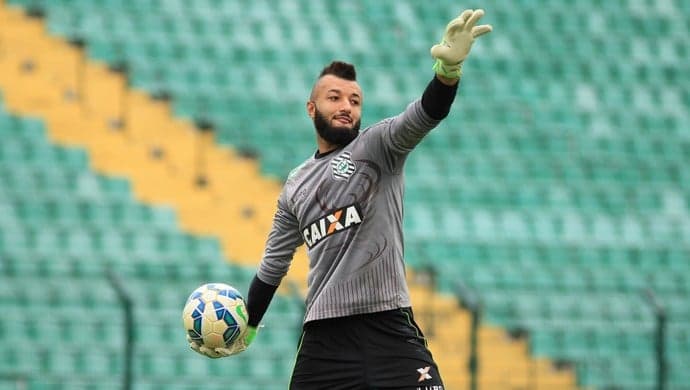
x: 215, y: 315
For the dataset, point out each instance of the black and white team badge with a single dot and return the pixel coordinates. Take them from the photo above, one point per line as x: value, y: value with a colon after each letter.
x: 343, y: 166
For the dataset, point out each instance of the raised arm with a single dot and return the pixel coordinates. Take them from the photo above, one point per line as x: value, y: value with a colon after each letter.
x: 406, y: 130
x: 450, y: 54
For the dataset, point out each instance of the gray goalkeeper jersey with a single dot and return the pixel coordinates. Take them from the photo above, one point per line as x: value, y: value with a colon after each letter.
x: 346, y: 207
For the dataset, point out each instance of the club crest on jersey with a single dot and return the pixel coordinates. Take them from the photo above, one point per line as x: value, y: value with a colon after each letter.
x: 343, y: 166
x: 334, y: 222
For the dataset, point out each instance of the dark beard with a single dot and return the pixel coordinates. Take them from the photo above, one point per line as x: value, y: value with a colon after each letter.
x: 335, y: 135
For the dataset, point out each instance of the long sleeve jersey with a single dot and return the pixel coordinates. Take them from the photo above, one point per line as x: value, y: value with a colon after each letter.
x: 347, y: 207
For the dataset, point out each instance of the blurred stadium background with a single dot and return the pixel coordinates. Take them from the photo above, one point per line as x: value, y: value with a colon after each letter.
x: 143, y: 143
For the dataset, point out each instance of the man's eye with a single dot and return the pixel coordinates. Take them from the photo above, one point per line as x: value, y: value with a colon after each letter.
x: 332, y: 98
x: 354, y: 102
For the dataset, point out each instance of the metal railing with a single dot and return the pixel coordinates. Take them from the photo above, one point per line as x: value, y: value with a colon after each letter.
x: 472, y: 302
x: 659, y: 338
x: 128, y: 316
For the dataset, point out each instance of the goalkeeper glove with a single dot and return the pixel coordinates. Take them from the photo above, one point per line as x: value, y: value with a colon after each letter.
x: 457, y: 42
x: 240, y: 345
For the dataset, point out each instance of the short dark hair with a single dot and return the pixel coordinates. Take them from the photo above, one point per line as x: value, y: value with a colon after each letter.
x: 340, y: 69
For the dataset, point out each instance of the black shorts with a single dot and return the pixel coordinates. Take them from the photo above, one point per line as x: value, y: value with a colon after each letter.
x: 384, y: 350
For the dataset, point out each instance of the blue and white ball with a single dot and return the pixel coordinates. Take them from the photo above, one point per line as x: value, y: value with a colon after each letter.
x: 215, y: 315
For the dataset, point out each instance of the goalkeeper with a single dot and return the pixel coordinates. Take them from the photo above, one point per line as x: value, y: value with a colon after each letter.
x: 345, y: 204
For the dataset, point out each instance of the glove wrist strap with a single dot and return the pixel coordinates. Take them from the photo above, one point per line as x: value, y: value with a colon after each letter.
x: 448, y: 71
x: 251, y: 334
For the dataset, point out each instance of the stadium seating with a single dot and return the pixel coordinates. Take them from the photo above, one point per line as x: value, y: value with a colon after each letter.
x: 556, y: 188
x: 146, y: 125
x: 61, y: 227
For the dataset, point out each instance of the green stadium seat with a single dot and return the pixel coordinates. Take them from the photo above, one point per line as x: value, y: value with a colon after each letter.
x: 16, y: 362
x: 13, y: 239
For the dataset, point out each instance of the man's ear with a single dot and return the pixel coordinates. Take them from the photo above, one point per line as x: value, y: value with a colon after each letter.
x: 311, y: 109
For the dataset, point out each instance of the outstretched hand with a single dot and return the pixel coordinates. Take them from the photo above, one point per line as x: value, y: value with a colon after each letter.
x: 457, y: 41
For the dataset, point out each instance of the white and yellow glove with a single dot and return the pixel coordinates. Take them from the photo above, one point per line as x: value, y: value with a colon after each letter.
x: 457, y: 42
x: 240, y: 345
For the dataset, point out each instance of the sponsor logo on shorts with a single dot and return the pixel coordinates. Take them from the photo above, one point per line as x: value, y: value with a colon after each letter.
x: 424, y: 374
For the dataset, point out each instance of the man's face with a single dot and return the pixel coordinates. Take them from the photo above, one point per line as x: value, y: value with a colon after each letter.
x: 335, y: 107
